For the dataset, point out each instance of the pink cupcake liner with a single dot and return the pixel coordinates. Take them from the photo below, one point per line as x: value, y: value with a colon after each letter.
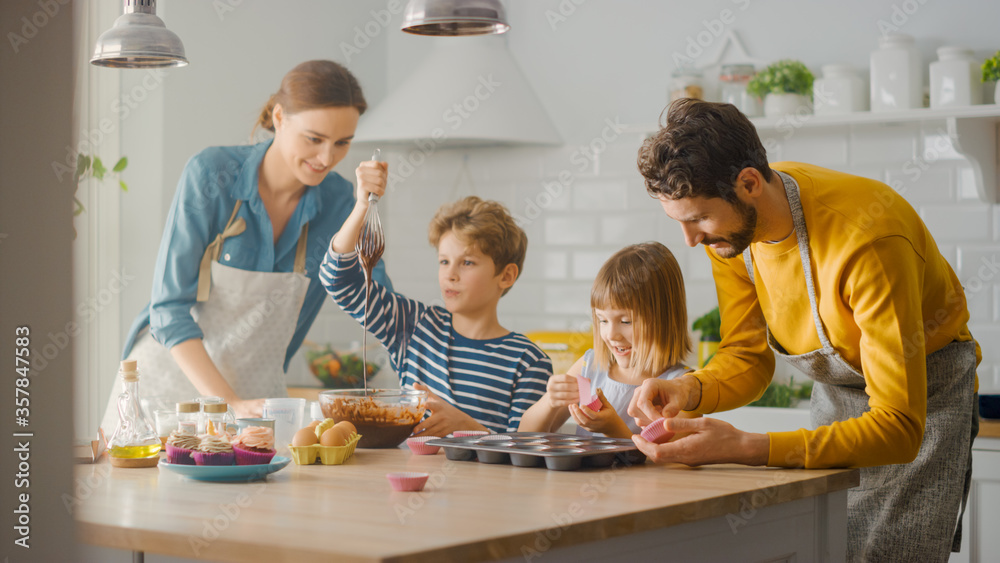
x: 179, y: 456
x: 583, y: 384
x: 595, y: 403
x: 247, y: 457
x: 418, y: 446
x: 466, y: 433
x: 407, y: 481
x: 219, y: 458
x: 656, y: 433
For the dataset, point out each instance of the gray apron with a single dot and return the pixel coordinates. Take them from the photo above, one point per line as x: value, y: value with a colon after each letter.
x: 903, y: 512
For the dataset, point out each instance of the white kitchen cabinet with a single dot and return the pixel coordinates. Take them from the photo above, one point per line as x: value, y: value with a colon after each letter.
x: 981, y: 524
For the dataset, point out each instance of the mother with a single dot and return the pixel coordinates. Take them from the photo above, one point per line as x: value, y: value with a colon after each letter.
x: 235, y: 288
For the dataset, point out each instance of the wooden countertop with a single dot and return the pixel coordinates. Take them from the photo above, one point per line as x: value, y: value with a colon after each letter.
x: 468, y: 510
x: 989, y: 428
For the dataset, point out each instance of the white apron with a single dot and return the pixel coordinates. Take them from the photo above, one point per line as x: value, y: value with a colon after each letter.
x: 248, y: 319
x: 902, y: 512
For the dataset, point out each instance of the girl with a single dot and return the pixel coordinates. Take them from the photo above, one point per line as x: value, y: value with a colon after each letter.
x: 639, y: 317
x: 236, y: 286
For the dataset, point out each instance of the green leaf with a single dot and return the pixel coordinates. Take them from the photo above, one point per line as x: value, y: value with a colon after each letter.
x: 121, y: 164
x: 99, y: 169
x: 82, y: 164
x: 123, y: 185
x: 79, y: 207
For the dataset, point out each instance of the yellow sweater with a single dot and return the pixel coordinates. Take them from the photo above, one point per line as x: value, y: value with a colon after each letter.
x: 886, y: 297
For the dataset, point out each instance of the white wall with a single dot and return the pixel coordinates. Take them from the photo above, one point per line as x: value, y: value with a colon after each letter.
x: 590, y: 62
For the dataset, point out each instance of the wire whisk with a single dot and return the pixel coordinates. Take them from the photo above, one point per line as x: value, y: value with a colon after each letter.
x: 370, y: 247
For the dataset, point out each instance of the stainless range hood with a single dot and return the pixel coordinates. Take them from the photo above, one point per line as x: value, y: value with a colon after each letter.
x: 467, y: 91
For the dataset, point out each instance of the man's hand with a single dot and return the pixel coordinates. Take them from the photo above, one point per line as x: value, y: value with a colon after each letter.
x: 709, y: 440
x: 445, y: 418
x: 605, y: 421
x: 657, y: 398
x: 562, y: 390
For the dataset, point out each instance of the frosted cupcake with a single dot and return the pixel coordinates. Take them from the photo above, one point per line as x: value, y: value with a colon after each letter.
x: 180, y: 446
x: 214, y: 450
x: 254, y: 446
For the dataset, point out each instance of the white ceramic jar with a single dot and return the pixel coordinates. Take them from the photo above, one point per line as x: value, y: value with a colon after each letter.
x: 733, y: 80
x: 897, y: 77
x: 841, y: 90
x: 955, y: 78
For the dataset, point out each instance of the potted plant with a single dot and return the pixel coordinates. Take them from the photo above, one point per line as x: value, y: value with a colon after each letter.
x: 785, y: 86
x: 709, y: 325
x: 991, y: 71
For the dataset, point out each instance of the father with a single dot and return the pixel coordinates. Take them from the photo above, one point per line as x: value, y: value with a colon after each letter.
x: 838, y: 275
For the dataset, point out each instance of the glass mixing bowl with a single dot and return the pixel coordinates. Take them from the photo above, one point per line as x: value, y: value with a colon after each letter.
x: 383, y: 417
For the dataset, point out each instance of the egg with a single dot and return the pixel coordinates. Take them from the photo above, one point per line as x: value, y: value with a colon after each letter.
x: 304, y: 437
x: 334, y: 437
x: 313, y: 424
x: 349, y: 428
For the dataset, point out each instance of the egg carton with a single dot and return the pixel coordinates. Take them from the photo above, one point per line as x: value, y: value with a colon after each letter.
x: 327, y: 455
x: 559, y: 452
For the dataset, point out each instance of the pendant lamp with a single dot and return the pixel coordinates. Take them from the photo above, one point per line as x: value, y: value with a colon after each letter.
x: 139, y: 40
x: 455, y: 17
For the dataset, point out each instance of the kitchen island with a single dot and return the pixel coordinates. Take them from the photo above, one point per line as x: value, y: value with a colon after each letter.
x: 469, y: 511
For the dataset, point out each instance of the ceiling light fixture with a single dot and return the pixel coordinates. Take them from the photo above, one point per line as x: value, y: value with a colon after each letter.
x: 139, y: 40
x: 455, y: 17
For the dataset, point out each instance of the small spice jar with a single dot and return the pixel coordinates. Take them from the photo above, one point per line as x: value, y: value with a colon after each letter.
x: 841, y: 90
x: 217, y: 418
x: 733, y: 80
x: 187, y: 416
x: 955, y: 78
x: 686, y: 83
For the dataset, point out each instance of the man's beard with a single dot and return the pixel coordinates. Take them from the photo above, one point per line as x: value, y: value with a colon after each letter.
x: 741, y: 238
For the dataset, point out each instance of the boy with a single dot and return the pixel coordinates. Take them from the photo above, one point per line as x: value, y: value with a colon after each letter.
x: 480, y: 376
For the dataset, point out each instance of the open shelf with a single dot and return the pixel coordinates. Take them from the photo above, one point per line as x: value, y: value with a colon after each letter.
x: 972, y: 130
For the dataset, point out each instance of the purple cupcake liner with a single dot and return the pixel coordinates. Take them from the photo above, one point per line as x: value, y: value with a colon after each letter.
x: 656, y: 433
x: 179, y: 456
x: 219, y: 458
x: 247, y: 457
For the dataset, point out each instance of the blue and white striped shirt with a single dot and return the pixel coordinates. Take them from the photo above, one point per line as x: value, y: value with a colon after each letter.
x: 493, y: 381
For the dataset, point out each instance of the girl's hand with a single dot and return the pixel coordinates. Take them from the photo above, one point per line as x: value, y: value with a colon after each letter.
x: 372, y: 179
x: 562, y: 390
x: 445, y: 418
x: 708, y: 440
x: 605, y: 421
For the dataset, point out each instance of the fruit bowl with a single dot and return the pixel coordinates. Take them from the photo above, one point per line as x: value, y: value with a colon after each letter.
x: 384, y: 417
x: 340, y: 370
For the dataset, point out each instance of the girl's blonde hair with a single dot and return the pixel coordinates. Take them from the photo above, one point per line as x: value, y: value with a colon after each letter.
x: 645, y: 280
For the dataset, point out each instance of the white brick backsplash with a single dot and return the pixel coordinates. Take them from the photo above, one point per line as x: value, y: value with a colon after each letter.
x: 950, y: 253
x: 525, y: 297
x: 590, y: 195
x: 882, y: 144
x: 933, y: 185
x: 957, y: 222
x: 556, y: 265
x: 996, y: 303
x: 873, y: 172
x: 670, y: 234
x: 815, y: 146
x: 936, y: 145
x: 587, y: 264
x: 576, y: 230
x: 980, y: 303
x: 980, y: 263
x: 620, y: 156
x: 699, y: 267
x: 568, y: 299
x: 988, y: 337
x: 988, y: 385
x: 996, y: 222
x: 628, y: 229
x: 965, y: 181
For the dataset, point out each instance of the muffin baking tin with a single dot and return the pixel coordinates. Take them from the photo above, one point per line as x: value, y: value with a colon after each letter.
x: 560, y: 452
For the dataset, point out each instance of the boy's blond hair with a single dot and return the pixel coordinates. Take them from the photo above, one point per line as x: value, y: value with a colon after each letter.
x: 486, y: 226
x: 645, y: 280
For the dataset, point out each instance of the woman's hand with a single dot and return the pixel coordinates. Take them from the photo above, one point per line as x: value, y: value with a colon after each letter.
x: 605, y: 421
x: 708, y: 440
x: 373, y: 177
x: 657, y: 398
x: 562, y: 390
x: 249, y: 408
x: 445, y: 418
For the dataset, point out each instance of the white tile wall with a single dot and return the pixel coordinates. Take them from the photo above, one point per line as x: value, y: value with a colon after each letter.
x: 578, y: 207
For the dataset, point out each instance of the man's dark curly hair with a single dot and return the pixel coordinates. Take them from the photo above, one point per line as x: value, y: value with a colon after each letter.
x: 701, y: 151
